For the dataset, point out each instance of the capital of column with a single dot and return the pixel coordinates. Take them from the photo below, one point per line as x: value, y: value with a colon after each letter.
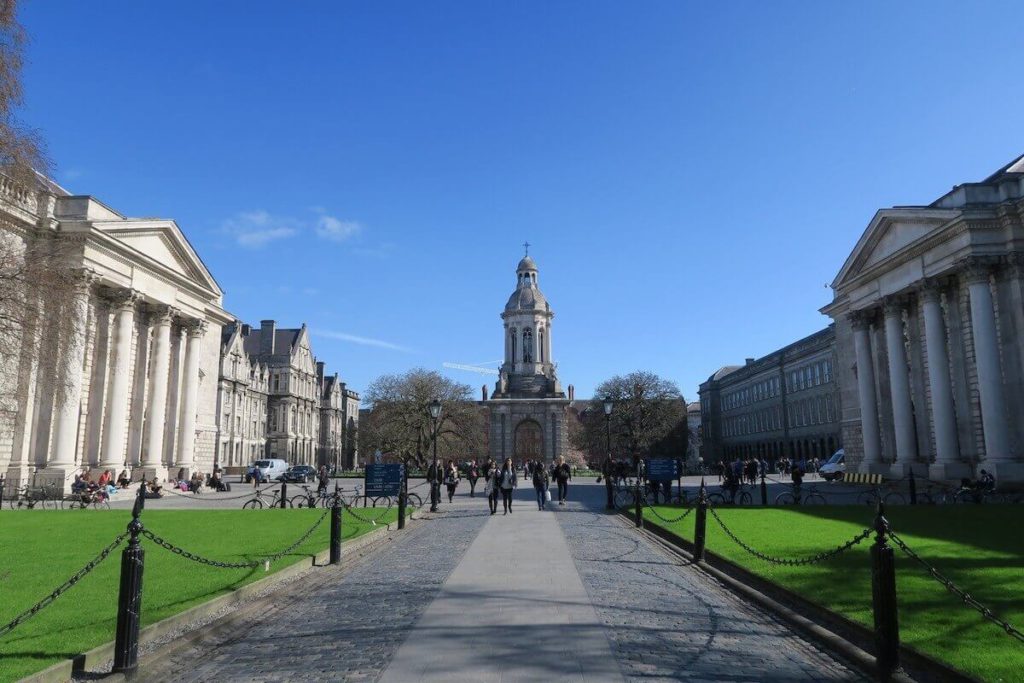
x: 861, y: 319
x: 161, y: 314
x: 83, y: 279
x: 121, y: 298
x: 977, y: 269
x: 895, y: 304
x: 194, y: 327
x: 931, y: 289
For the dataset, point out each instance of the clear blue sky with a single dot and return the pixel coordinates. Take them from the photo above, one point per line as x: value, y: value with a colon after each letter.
x: 691, y: 175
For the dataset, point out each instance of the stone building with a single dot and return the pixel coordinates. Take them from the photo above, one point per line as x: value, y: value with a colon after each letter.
x: 694, y: 453
x: 527, y: 410
x: 339, y: 414
x: 929, y: 315
x: 133, y: 382
x: 241, y: 401
x: 784, y: 404
x: 294, y: 393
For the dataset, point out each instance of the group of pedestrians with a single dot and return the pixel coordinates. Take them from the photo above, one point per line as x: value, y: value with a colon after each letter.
x: 499, y: 481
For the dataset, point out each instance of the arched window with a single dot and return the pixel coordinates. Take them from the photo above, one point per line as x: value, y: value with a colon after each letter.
x: 527, y: 345
x: 541, y: 354
x: 512, y: 333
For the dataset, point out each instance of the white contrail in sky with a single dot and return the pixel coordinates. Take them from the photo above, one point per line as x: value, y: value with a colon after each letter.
x: 365, y: 341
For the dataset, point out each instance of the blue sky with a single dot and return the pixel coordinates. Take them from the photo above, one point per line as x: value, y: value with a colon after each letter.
x: 691, y: 175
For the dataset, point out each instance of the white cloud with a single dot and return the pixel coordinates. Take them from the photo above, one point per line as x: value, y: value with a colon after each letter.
x: 254, y: 229
x: 335, y: 229
x: 364, y: 341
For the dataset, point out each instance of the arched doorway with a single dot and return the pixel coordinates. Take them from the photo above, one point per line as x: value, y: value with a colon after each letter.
x: 529, y: 441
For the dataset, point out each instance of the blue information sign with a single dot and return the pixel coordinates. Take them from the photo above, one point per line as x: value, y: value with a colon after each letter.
x: 662, y: 469
x: 383, y: 480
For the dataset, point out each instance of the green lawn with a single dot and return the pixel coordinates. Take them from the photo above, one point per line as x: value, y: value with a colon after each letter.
x: 42, y: 548
x: 981, y: 548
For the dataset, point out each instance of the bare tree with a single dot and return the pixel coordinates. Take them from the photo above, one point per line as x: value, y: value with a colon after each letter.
x: 648, y: 418
x: 22, y: 151
x: 399, y: 424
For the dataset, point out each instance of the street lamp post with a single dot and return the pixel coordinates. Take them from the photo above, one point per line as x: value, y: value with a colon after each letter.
x: 435, y: 485
x: 608, y: 405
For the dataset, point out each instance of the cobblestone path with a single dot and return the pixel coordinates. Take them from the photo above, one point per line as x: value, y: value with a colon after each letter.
x: 335, y: 627
x: 667, y: 622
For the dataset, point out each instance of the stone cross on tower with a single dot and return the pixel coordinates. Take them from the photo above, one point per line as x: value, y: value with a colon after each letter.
x: 526, y: 246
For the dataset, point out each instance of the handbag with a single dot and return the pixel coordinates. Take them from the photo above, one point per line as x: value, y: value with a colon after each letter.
x: 547, y: 495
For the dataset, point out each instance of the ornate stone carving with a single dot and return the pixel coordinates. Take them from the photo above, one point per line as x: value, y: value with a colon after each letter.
x: 161, y: 314
x: 121, y: 297
x: 895, y: 304
x: 975, y: 269
x: 194, y: 327
x: 862, y: 319
x: 931, y: 289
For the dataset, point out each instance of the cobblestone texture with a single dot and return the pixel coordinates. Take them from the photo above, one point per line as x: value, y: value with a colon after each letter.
x: 336, y: 627
x: 668, y: 622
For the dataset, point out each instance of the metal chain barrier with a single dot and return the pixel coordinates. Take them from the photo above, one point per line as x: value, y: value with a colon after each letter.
x: 966, y: 597
x: 678, y: 519
x: 61, y: 589
x: 813, y: 559
x: 350, y: 509
x: 233, y: 565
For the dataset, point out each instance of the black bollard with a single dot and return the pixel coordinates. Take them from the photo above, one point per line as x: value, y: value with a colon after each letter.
x: 336, y: 527
x: 764, y: 491
x: 129, y: 598
x: 700, y: 526
x: 284, y: 494
x: 401, y: 505
x: 639, y: 513
x: 883, y: 600
x: 913, y: 489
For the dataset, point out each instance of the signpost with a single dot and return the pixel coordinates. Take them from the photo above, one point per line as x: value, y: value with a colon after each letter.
x: 383, y: 480
x: 662, y: 469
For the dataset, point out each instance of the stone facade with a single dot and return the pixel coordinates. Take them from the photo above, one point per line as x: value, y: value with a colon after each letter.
x: 784, y: 404
x: 133, y: 382
x: 527, y: 411
x: 242, y: 402
x: 929, y: 314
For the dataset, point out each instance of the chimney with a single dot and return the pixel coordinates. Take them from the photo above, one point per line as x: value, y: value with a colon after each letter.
x: 750, y: 361
x: 268, y: 328
x: 572, y: 393
x: 483, y: 392
x: 246, y: 329
x: 320, y: 371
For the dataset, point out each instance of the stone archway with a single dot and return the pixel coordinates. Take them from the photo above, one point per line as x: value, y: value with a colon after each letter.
x: 529, y: 441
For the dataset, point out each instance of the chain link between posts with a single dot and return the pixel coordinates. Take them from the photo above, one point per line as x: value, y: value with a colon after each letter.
x: 813, y: 559
x: 265, y: 562
x: 61, y: 589
x: 351, y: 510
x: 678, y: 519
x: 948, y: 584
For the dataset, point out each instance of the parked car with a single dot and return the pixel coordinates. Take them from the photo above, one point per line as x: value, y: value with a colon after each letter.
x: 299, y: 474
x: 835, y: 468
x: 268, y: 469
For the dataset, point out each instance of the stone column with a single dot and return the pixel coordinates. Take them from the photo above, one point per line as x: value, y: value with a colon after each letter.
x: 861, y: 321
x: 114, y: 428
x: 160, y: 365
x: 947, y: 451
x: 190, y: 394
x: 899, y: 386
x: 986, y: 356
x: 69, y: 383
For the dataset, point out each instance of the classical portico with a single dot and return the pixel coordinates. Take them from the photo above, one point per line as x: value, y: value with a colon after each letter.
x: 930, y: 313
x: 132, y: 384
x: 527, y: 408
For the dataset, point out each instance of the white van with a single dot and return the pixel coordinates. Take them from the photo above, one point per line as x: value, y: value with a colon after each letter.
x: 835, y: 468
x: 271, y: 469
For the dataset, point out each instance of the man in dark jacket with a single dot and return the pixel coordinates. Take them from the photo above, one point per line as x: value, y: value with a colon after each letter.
x: 435, y: 477
x: 608, y: 471
x: 562, y: 474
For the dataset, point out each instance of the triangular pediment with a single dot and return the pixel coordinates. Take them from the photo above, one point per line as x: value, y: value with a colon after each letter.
x: 891, y: 233
x: 163, y: 243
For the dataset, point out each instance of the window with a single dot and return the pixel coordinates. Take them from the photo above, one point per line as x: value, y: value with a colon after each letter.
x: 828, y: 371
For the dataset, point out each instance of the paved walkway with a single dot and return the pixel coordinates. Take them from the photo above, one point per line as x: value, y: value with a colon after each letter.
x: 568, y: 594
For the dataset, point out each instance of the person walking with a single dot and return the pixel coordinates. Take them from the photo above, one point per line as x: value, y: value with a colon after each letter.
x: 322, y: 479
x: 435, y: 477
x: 540, y: 484
x: 472, y: 475
x: 508, y: 481
x: 451, y: 479
x: 492, y: 473
x: 563, y: 475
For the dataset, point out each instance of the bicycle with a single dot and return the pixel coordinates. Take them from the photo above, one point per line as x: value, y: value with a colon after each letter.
x: 46, y: 498
x: 872, y: 496
x: 978, y: 496
x: 97, y: 500
x: 796, y: 497
x: 742, y: 496
x: 311, y: 499
x: 259, y: 502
